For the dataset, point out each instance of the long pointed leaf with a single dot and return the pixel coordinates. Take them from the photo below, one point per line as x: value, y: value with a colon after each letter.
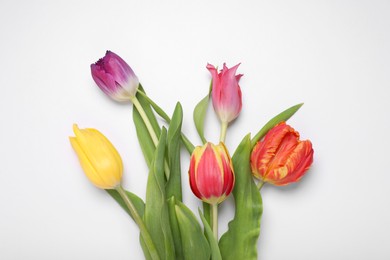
x: 137, y: 201
x: 240, y: 241
x: 174, y: 143
x: 175, y: 228
x: 156, y: 209
x: 145, y: 141
x: 284, y: 116
x: 187, y: 143
x: 156, y: 108
x: 200, y: 114
x: 139, y: 207
x: 215, y: 253
x: 195, y: 244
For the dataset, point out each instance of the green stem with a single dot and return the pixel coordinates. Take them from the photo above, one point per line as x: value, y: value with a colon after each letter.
x: 224, y: 126
x: 260, y: 185
x: 187, y: 143
x: 214, y: 213
x: 144, y: 232
x: 145, y: 118
x: 151, y: 131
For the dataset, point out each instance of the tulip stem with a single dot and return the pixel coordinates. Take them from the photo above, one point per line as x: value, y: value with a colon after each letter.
x: 260, y: 184
x: 144, y: 232
x: 151, y: 131
x: 145, y: 118
x: 214, y: 213
x: 187, y: 143
x: 224, y: 126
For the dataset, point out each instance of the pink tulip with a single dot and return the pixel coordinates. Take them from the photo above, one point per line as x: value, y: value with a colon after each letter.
x: 226, y: 93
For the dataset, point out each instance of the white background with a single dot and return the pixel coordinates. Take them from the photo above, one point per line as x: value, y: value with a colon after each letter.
x: 332, y: 55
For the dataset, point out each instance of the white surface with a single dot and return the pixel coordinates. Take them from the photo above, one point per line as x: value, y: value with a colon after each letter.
x: 332, y: 55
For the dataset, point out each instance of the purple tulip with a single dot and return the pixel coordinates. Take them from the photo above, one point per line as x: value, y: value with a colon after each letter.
x: 115, y: 77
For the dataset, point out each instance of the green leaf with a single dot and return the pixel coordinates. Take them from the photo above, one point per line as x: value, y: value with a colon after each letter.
x: 215, y: 253
x: 187, y: 143
x: 207, y: 212
x: 240, y: 241
x: 195, y: 244
x: 145, y: 141
x: 156, y: 108
x: 137, y: 201
x: 156, y: 215
x: 200, y: 114
x: 284, y: 116
x: 175, y: 228
x: 173, y: 187
x: 139, y: 207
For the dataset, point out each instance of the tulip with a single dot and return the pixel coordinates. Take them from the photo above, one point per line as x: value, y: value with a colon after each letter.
x: 115, y: 77
x: 211, y: 173
x: 98, y: 157
x: 226, y: 93
x: 281, y: 158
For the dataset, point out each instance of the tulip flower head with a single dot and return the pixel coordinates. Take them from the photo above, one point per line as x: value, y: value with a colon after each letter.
x: 98, y: 157
x: 115, y: 77
x: 226, y: 93
x: 281, y: 158
x: 211, y: 173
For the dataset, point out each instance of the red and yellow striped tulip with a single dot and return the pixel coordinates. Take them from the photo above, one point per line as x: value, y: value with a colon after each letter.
x: 281, y: 158
x: 211, y: 173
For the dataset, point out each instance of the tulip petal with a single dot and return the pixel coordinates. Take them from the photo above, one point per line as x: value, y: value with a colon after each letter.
x: 209, y: 174
x: 281, y: 158
x: 298, y: 163
x: 88, y: 168
x: 192, y: 177
x: 105, y: 81
x: 273, y: 150
x: 99, y: 158
x: 226, y: 93
x: 115, y: 77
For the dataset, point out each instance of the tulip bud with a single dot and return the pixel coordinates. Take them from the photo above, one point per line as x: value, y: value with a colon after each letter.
x: 98, y: 157
x: 281, y: 158
x: 226, y: 93
x: 115, y: 77
x: 211, y: 173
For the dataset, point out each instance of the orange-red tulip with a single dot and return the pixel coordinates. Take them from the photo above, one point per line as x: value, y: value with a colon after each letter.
x: 281, y: 158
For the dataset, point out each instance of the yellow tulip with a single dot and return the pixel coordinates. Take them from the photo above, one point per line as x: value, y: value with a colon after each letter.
x: 99, y: 159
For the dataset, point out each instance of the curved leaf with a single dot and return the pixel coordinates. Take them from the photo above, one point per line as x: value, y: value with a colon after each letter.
x: 156, y: 215
x: 137, y: 201
x: 200, y: 114
x: 175, y: 228
x: 240, y: 241
x: 215, y: 253
x: 194, y: 243
x: 284, y: 116
x: 145, y: 141
x: 187, y: 143
x: 156, y: 108
x: 173, y: 187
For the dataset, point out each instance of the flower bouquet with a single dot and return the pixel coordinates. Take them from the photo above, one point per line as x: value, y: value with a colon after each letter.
x: 168, y: 228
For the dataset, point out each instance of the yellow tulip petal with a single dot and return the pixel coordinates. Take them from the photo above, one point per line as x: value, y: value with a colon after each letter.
x: 98, y: 157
